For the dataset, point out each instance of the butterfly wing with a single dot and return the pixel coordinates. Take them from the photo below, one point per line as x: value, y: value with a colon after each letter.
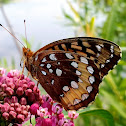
x: 68, y: 77
x: 70, y: 70
x: 104, y: 53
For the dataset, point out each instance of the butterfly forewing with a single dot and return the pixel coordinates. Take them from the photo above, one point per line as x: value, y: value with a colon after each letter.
x: 104, y: 53
x: 70, y: 70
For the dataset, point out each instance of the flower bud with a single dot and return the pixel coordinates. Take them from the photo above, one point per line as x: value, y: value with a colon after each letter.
x: 31, y: 85
x: 5, y: 115
x: 9, y: 91
x: 23, y: 101
x: 20, y: 91
x: 14, y: 99
x: 33, y: 109
x: 3, y: 86
x: 25, y: 113
x: 8, y: 100
x: 20, y: 118
x: 25, y: 86
x: 12, y: 114
x: 28, y: 92
x: 18, y: 110
x: 11, y: 109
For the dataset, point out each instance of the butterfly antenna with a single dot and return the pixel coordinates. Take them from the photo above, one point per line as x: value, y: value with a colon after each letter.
x: 11, y: 34
x: 25, y: 34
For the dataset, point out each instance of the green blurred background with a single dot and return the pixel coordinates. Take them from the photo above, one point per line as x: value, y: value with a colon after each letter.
x: 53, y: 20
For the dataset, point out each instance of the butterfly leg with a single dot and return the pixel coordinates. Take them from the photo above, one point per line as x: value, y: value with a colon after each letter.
x: 23, y: 67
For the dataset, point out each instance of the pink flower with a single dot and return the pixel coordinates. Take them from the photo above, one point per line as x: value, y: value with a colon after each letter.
x: 57, y: 109
x: 47, y: 122
x: 20, y: 91
x: 14, y: 99
x: 12, y: 114
x: 39, y: 121
x: 20, y: 118
x: 42, y: 112
x: 5, y: 107
x: 65, y: 122
x: 2, y: 71
x: 73, y: 114
x: 13, y: 73
x: 5, y: 115
x: 54, y: 120
x: 33, y: 109
x: 60, y: 116
x: 23, y: 101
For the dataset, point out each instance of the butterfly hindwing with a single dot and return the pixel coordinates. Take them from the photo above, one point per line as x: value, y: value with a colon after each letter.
x: 68, y: 77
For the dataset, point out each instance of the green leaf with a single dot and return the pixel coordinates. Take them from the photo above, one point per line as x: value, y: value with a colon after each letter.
x: 13, y: 63
x: 103, y: 114
x: 28, y: 122
x: 5, y: 63
x: 77, y: 15
x: 115, y: 103
x: 109, y: 27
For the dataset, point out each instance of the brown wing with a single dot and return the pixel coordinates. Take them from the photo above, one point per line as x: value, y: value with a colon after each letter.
x: 70, y: 70
x: 68, y: 77
x: 104, y: 53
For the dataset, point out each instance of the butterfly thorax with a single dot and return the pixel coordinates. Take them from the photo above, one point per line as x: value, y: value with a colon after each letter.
x: 28, y: 58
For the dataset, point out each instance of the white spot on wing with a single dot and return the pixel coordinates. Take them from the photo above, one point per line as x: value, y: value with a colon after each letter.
x: 58, y: 63
x: 50, y: 70
x: 74, y: 64
x: 52, y: 82
x: 102, y: 65
x: 80, y: 80
x: 69, y: 55
x: 42, y: 65
x: 83, y: 60
x: 48, y: 65
x: 66, y: 88
x: 112, y: 48
x: 36, y: 57
x: 44, y: 59
x: 107, y: 61
x: 76, y: 101
x: 111, y: 55
x: 43, y: 72
x: 61, y: 95
x: 52, y: 57
x: 58, y: 72
x: 97, y: 55
x: 84, y: 96
x: 90, y: 69
x: 74, y: 84
x: 98, y: 48
x: 91, y: 79
x: 89, y: 89
x: 78, y: 72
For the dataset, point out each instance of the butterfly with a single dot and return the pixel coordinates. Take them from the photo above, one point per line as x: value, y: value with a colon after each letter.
x: 70, y: 70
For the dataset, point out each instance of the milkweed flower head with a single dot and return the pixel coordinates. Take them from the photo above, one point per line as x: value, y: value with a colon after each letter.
x: 15, y: 96
x: 51, y: 114
x: 20, y: 99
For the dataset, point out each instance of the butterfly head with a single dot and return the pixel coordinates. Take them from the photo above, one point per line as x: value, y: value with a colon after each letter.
x: 27, y: 53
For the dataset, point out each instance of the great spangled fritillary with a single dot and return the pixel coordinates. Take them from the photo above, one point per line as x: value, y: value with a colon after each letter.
x: 70, y: 70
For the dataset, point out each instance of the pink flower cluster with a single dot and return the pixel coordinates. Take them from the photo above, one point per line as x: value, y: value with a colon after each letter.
x: 49, y: 114
x: 20, y: 98
x: 17, y: 93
